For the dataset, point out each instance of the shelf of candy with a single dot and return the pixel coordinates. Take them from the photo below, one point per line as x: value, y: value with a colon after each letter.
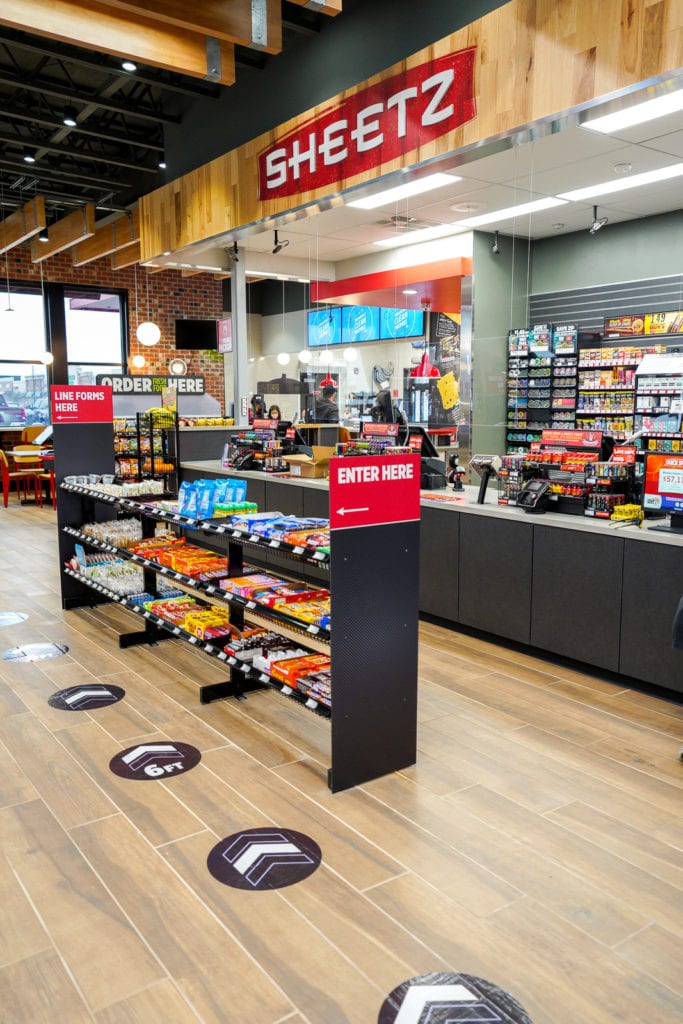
x: 628, y: 355
x: 295, y: 605
x: 117, y: 575
x: 617, y: 426
x: 601, y: 504
x: 119, y: 533
x: 660, y: 442
x: 273, y: 659
x: 514, y: 471
x: 306, y: 537
x: 205, y: 421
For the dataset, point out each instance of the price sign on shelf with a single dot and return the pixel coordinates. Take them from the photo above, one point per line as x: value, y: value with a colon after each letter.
x: 373, y: 490
x: 624, y: 455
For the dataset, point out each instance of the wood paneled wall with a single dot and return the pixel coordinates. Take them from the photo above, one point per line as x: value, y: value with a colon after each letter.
x: 534, y: 59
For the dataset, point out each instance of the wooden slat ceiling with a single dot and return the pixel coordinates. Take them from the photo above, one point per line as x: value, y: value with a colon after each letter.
x: 66, y: 55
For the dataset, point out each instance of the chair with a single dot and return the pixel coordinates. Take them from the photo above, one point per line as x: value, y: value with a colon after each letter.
x: 22, y: 477
x: 33, y: 463
x: 28, y: 433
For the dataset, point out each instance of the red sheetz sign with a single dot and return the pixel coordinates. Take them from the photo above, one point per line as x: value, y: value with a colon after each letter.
x: 372, y: 127
x: 370, y: 490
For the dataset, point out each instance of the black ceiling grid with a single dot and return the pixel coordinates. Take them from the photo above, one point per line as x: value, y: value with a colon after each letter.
x: 111, y: 156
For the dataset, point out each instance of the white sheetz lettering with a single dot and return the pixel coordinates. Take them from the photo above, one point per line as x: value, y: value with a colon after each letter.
x: 365, y: 132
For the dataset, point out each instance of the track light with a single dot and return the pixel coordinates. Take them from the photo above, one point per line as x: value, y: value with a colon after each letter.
x: 128, y: 65
x: 232, y: 253
x: 495, y: 248
x: 597, y: 224
x: 29, y: 156
x: 279, y: 246
x: 42, y: 237
x: 69, y: 118
x: 162, y: 165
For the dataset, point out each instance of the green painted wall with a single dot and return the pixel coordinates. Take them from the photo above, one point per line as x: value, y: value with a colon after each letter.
x: 631, y: 251
x: 500, y: 288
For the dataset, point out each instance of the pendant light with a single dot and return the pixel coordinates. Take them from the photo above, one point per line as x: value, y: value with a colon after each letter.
x: 147, y: 332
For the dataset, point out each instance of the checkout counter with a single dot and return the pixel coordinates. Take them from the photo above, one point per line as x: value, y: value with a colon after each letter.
x: 586, y: 589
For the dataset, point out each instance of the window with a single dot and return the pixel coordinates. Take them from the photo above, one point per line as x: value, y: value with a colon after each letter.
x: 94, y: 334
x: 23, y: 377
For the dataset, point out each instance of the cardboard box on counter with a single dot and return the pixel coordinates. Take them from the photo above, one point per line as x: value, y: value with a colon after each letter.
x: 307, y: 466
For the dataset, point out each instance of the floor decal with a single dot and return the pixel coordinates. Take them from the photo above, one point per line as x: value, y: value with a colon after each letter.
x: 264, y: 858
x: 35, y: 652
x: 85, y: 698
x: 451, y: 999
x: 155, y: 760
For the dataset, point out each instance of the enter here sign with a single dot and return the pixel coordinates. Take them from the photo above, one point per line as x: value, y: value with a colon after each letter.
x: 369, y: 490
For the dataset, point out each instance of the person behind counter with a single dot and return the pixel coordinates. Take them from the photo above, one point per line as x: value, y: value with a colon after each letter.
x: 258, y: 408
x: 274, y: 413
x: 326, y: 408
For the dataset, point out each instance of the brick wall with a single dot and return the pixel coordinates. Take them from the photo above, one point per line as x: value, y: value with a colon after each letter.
x: 170, y: 297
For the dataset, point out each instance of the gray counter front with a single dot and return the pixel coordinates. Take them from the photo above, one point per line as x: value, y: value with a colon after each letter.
x: 589, y: 590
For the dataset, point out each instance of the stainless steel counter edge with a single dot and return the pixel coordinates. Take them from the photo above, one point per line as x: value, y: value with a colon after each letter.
x: 467, y: 504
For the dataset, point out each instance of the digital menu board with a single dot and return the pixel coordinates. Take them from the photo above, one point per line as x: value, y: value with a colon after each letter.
x: 324, y: 327
x: 401, y: 323
x: 359, y: 323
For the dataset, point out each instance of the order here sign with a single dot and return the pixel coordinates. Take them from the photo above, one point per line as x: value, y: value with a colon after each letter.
x: 369, y: 490
x: 81, y: 403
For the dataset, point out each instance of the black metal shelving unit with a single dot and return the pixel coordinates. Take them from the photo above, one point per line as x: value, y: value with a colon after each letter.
x: 373, y: 643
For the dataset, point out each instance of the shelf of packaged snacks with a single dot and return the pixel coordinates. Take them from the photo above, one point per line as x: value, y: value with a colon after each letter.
x: 220, y: 527
x: 204, y: 587
x: 214, y: 650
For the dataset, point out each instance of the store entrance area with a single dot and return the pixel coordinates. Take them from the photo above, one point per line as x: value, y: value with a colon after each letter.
x: 540, y: 829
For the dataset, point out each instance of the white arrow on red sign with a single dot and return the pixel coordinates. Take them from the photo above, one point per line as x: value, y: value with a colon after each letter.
x: 347, y: 511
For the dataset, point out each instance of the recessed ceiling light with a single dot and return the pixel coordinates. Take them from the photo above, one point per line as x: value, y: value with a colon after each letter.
x: 128, y: 65
x: 607, y: 187
x: 410, y: 291
x: 535, y: 206
x: 558, y: 226
x: 669, y: 103
x: 411, y: 188
x: 623, y: 168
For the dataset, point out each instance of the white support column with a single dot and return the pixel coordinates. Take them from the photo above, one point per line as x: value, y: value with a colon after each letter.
x: 238, y: 296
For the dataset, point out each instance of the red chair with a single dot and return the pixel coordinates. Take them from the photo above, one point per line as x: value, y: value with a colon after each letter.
x: 22, y: 477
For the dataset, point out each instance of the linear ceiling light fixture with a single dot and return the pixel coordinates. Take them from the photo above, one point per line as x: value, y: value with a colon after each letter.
x: 606, y: 188
x: 648, y: 110
x: 421, y: 235
x: 411, y: 188
x: 535, y: 206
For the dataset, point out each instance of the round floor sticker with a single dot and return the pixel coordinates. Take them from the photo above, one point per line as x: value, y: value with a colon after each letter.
x: 149, y: 761
x: 85, y: 698
x: 451, y: 998
x: 264, y: 858
x: 35, y: 652
x: 12, y: 618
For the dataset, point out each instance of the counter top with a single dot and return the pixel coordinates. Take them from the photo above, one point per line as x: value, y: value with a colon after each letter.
x: 466, y: 501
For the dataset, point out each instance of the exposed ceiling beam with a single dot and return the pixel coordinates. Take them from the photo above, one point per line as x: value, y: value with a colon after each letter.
x: 46, y: 173
x: 56, y: 123
x: 221, y: 277
x: 68, y: 231
x: 66, y: 92
x: 244, y: 22
x: 190, y: 273
x: 22, y: 224
x: 320, y: 6
x: 108, y: 238
x: 59, y: 200
x: 127, y: 257
x: 94, y: 25
x: 156, y: 270
x: 75, y: 155
x: 72, y: 55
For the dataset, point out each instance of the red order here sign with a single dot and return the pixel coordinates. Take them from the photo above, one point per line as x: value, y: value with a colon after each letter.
x: 370, y: 490
x: 81, y: 403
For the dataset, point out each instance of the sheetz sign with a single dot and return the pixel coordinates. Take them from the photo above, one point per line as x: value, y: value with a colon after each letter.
x: 372, y: 127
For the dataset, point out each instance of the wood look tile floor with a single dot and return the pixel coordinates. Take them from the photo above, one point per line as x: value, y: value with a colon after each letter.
x: 536, y: 843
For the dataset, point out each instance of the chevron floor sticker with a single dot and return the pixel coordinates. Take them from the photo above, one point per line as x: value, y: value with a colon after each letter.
x: 35, y: 652
x: 451, y: 999
x: 149, y: 761
x: 12, y: 618
x: 264, y: 858
x: 85, y: 698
